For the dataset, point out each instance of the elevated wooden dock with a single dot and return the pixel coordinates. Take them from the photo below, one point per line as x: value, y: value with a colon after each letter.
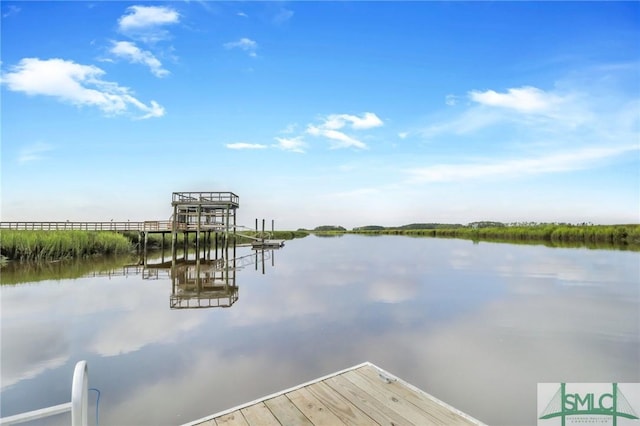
x: 361, y: 395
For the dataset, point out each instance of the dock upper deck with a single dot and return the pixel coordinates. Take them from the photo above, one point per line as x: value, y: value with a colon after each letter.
x: 361, y: 395
x: 209, y: 199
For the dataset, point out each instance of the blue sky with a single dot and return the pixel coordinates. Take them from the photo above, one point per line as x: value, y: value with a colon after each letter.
x: 346, y: 113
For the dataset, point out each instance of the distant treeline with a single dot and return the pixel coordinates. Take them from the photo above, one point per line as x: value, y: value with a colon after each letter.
x: 56, y: 245
x: 619, y: 235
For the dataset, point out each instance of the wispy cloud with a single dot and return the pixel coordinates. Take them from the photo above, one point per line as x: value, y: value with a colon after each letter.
x: 282, y: 16
x: 553, y: 163
x: 451, y: 100
x: 146, y: 23
x: 77, y: 84
x: 367, y: 121
x: 338, y: 139
x: 242, y: 14
x: 525, y: 105
x: 332, y: 125
x: 11, y: 10
x: 132, y: 53
x: 295, y: 144
x: 35, y: 152
x: 244, y: 145
x: 246, y: 44
x: 524, y: 99
x: 581, y: 127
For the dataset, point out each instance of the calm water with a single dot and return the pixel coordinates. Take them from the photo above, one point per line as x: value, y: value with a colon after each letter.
x: 476, y: 325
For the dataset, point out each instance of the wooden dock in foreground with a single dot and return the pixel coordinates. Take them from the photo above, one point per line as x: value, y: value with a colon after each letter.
x: 360, y: 395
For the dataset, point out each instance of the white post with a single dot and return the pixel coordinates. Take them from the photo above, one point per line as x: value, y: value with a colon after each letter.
x: 79, y: 397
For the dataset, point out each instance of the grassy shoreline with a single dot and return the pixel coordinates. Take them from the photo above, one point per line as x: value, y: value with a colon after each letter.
x: 612, y: 236
x: 58, y: 245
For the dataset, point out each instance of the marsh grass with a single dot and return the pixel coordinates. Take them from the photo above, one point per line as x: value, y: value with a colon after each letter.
x: 613, y: 236
x: 55, y: 245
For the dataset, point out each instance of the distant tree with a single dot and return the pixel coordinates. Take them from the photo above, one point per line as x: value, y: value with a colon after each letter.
x: 431, y: 226
x: 325, y: 228
x: 369, y: 228
x: 486, y: 224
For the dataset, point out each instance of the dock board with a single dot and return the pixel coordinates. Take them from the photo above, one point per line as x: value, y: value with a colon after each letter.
x: 360, y: 395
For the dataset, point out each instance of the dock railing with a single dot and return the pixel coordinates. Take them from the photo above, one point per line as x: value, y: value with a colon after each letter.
x: 78, y: 405
x: 205, y: 198
x: 149, y: 225
x: 73, y: 226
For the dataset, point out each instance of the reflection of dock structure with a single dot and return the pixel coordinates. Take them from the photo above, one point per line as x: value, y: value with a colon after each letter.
x: 206, y: 284
x: 203, y: 283
x: 197, y: 283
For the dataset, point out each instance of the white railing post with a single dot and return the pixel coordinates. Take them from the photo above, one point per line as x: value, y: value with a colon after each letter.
x: 79, y: 395
x: 78, y: 405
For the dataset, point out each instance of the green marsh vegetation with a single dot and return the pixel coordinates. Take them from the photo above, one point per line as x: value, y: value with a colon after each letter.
x: 555, y: 234
x: 55, y: 245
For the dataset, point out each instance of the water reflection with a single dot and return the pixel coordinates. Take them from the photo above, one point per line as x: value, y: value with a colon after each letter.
x: 206, y: 280
x: 475, y: 325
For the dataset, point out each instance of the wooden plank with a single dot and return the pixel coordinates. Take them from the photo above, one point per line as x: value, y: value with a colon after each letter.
x: 231, y: 419
x: 380, y: 413
x: 385, y: 396
x: 312, y: 408
x: 286, y: 412
x: 258, y: 415
x: 360, y: 395
x: 430, y: 405
x: 348, y: 413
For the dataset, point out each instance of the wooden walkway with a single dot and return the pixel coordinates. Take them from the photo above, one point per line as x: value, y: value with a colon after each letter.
x: 361, y: 395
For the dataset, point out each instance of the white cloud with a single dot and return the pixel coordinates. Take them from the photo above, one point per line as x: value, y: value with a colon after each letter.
x: 282, y: 16
x: 34, y: 152
x: 245, y: 44
x: 145, y: 22
x: 338, y: 121
x: 242, y: 14
x: 524, y: 99
x: 133, y: 54
x: 244, y: 145
x: 338, y: 139
x: 291, y: 144
x: 332, y: 125
x: 147, y: 16
x: 469, y: 121
x: 291, y: 128
x: 525, y: 106
x: 553, y: 163
x: 11, y: 10
x: 77, y: 84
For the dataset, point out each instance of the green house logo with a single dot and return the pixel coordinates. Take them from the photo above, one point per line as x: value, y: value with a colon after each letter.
x: 585, y: 405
